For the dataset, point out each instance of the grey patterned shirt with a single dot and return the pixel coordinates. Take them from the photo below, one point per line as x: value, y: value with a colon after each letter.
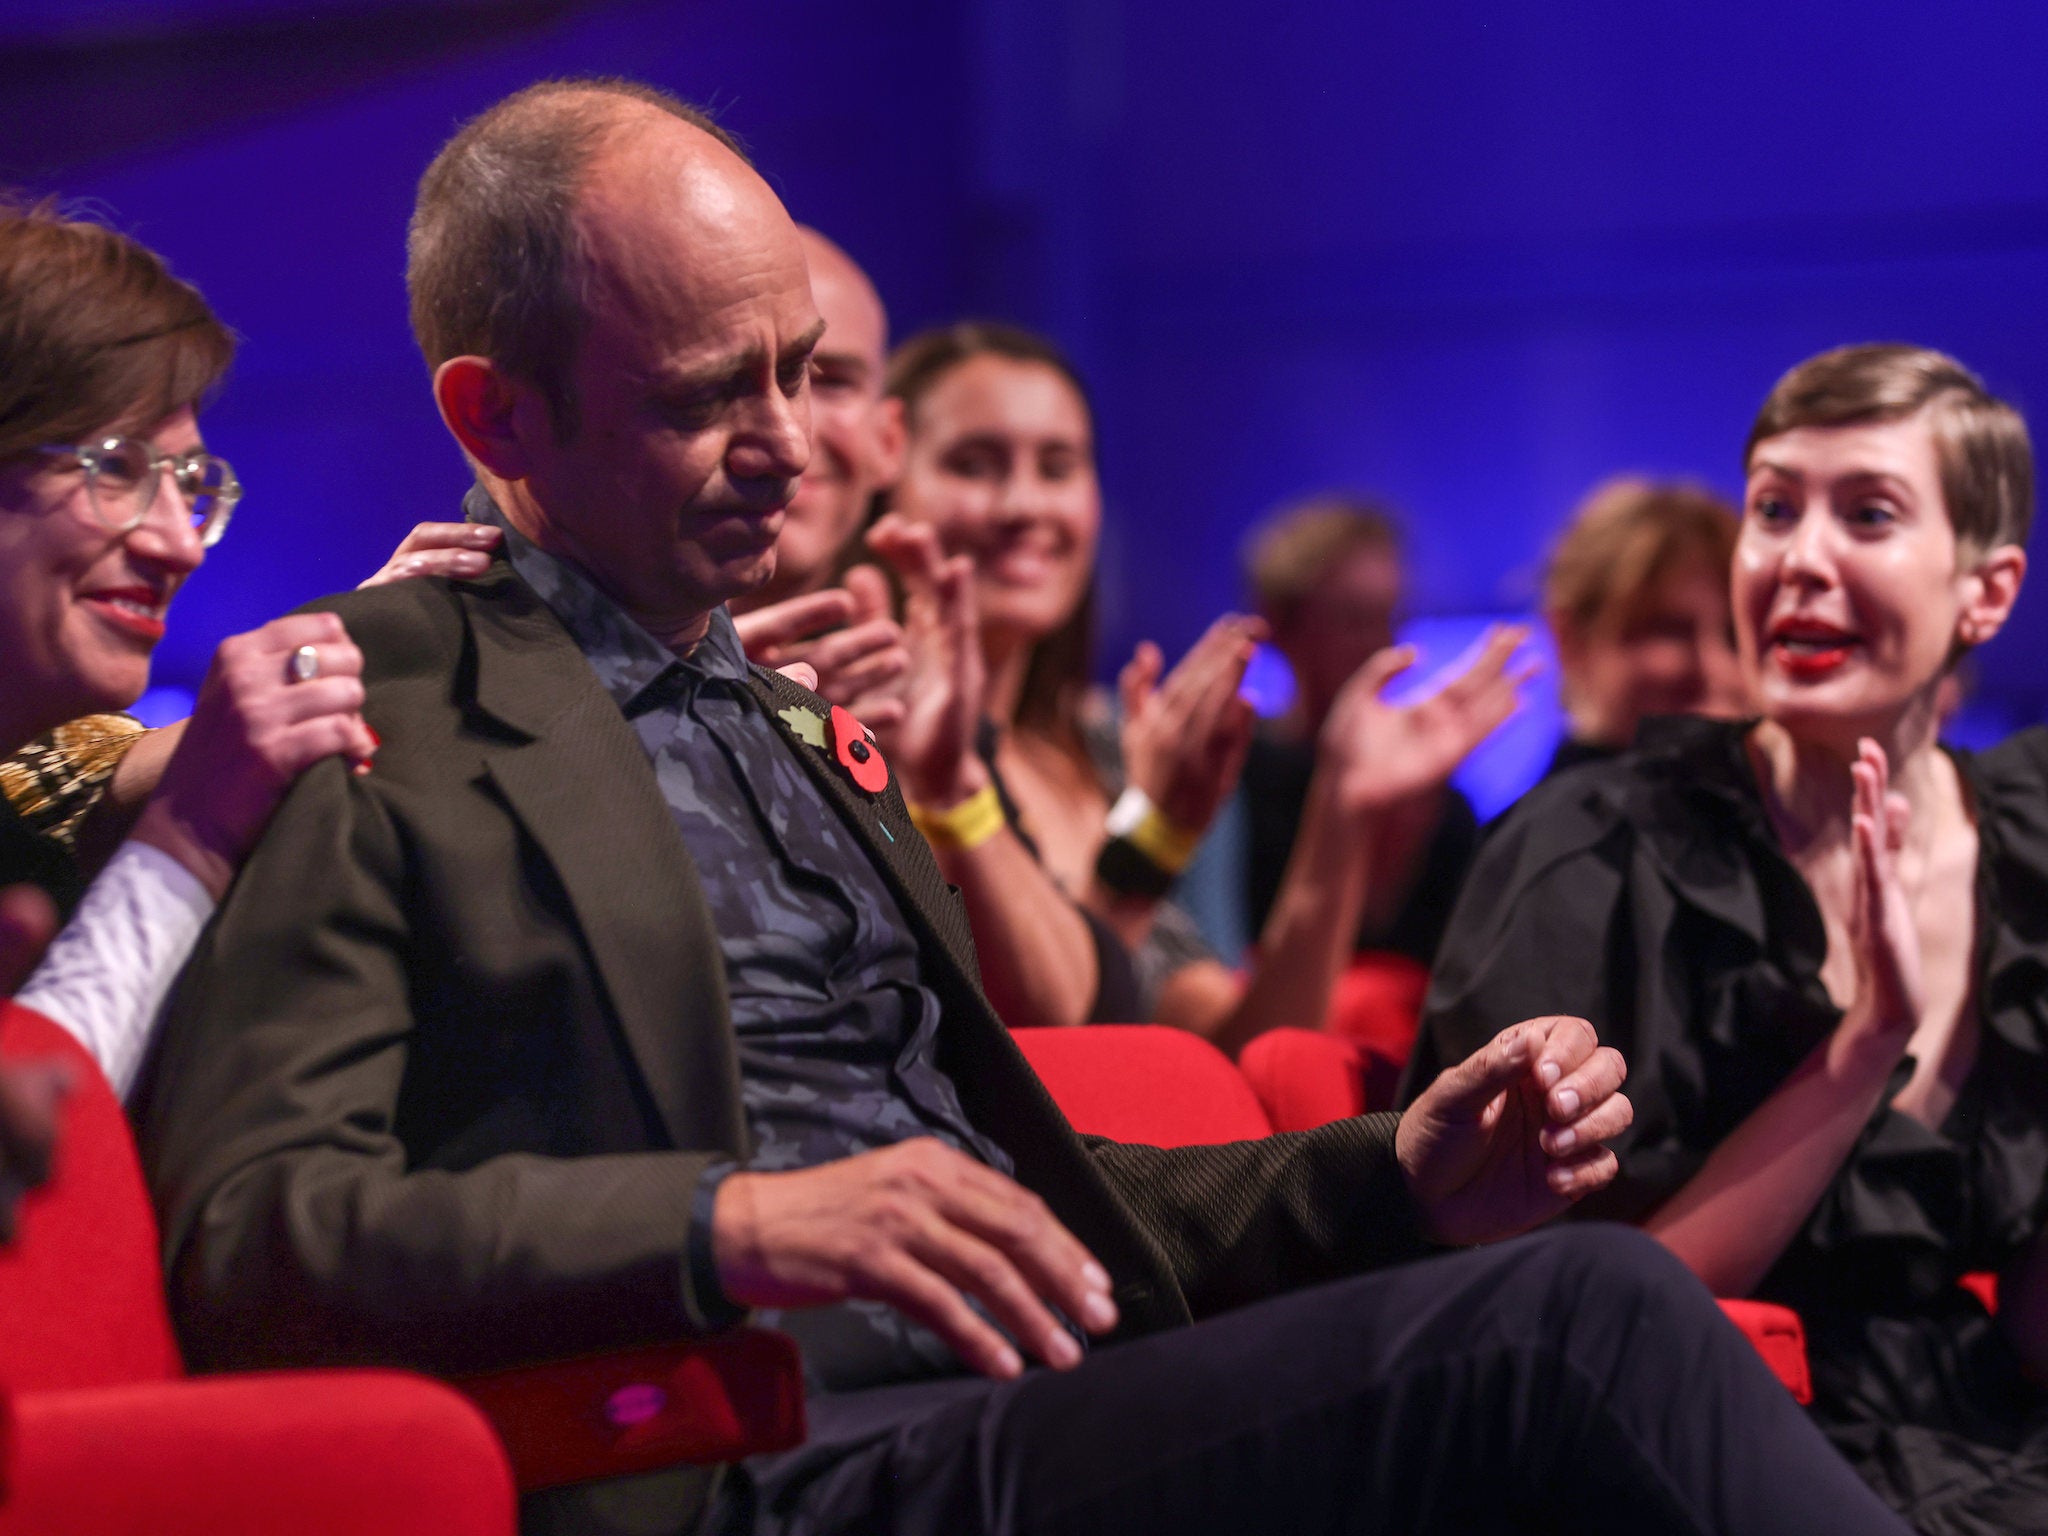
x: 836, y: 1034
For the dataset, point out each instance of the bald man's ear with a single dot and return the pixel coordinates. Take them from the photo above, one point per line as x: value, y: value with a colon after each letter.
x: 892, y: 439
x: 494, y: 416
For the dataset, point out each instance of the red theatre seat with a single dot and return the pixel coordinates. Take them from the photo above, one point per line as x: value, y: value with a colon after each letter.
x: 1160, y: 1086
x: 1144, y: 1083
x: 100, y: 1430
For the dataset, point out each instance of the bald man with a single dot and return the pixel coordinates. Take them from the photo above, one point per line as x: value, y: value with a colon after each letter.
x: 807, y: 612
x: 622, y: 998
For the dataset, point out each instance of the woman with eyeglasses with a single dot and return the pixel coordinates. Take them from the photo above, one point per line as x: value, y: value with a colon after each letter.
x: 109, y: 500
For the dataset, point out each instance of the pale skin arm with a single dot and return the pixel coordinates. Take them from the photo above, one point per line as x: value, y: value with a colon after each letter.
x: 1037, y: 958
x: 1374, y: 759
x: 1498, y: 1144
x: 1736, y: 1216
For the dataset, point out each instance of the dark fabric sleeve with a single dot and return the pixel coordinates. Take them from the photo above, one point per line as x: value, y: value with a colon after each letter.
x: 1247, y: 1219
x: 1531, y: 935
x: 1564, y: 913
x: 294, y: 1229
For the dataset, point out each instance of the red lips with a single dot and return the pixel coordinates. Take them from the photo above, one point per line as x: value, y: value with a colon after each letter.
x: 1810, y: 649
x: 113, y: 606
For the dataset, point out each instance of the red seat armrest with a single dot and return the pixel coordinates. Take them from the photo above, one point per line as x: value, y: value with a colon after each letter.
x: 1780, y: 1337
x: 713, y: 1399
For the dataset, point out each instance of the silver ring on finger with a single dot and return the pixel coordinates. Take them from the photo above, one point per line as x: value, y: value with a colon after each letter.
x: 304, y: 665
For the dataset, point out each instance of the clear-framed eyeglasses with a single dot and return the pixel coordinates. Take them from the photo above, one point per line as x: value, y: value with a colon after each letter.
x: 124, y: 476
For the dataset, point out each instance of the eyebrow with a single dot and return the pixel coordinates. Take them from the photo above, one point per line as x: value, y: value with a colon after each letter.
x: 712, y: 375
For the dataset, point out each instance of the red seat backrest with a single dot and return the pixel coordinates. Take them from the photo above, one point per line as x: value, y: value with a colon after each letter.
x: 81, y: 1286
x: 1144, y: 1083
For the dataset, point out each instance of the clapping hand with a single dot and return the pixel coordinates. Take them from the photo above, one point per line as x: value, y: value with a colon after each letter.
x: 1184, y: 740
x: 1516, y: 1132
x: 1889, y: 994
x: 931, y: 741
x: 846, y: 637
x: 1385, y: 754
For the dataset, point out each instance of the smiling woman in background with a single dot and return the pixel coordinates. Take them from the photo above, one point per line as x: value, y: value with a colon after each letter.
x: 1817, y: 939
x: 1001, y: 466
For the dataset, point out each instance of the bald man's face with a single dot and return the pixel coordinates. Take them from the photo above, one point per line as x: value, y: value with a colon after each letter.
x: 856, y: 435
x: 692, y: 383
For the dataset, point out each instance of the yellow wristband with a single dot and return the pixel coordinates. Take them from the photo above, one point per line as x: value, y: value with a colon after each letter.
x: 1139, y: 822
x: 965, y: 826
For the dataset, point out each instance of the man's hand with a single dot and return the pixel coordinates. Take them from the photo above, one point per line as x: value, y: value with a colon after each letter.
x: 845, y: 635
x: 932, y: 741
x: 1184, y: 740
x: 1514, y: 1134
x: 253, y: 732
x: 440, y: 549
x: 920, y: 1227
x: 1386, y: 753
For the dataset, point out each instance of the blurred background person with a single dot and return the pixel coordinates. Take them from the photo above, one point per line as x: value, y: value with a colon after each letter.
x: 1816, y: 937
x: 1001, y: 465
x: 1636, y: 596
x: 819, y: 609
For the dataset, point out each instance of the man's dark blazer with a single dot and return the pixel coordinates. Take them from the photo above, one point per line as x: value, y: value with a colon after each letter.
x: 438, y: 1084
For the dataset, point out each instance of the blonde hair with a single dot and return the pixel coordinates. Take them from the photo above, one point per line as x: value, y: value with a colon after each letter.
x: 1624, y: 539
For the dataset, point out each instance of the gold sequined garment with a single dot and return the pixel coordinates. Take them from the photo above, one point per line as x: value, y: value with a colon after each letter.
x: 57, y: 778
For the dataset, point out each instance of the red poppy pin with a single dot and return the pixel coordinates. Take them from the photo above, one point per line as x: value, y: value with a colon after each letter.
x: 857, y: 752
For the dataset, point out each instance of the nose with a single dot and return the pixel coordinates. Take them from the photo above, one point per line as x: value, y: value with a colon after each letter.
x: 166, y: 536
x: 775, y: 445
x: 1809, y: 548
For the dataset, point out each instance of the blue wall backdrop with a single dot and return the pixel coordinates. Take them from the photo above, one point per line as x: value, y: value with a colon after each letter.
x: 1472, y: 256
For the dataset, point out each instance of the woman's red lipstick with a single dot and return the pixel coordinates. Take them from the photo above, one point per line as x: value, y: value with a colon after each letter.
x: 1808, y: 651
x: 122, y: 608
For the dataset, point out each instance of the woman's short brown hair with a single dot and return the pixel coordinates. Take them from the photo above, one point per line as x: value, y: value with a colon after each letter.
x: 1624, y: 539
x: 1980, y: 442
x: 98, y: 335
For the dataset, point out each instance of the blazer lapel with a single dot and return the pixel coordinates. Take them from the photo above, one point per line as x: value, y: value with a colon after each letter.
x: 576, y: 776
x: 882, y: 824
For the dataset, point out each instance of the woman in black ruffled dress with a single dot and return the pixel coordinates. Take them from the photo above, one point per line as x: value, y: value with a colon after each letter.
x: 1821, y: 941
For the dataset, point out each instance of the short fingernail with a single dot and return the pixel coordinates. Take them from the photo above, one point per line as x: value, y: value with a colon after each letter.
x: 1007, y: 1363
x: 1094, y: 1276
x: 1063, y: 1353
x: 1564, y: 1140
x: 1550, y: 1072
x: 1099, y: 1313
x: 1568, y: 1101
x: 1560, y: 1179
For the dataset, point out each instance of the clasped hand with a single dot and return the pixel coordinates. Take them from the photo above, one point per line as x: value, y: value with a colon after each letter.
x: 1515, y: 1133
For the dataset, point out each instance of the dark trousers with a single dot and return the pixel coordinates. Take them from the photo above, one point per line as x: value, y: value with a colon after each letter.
x: 1579, y: 1380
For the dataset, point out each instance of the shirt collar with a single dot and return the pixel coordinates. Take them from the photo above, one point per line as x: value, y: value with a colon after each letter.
x: 627, y: 660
